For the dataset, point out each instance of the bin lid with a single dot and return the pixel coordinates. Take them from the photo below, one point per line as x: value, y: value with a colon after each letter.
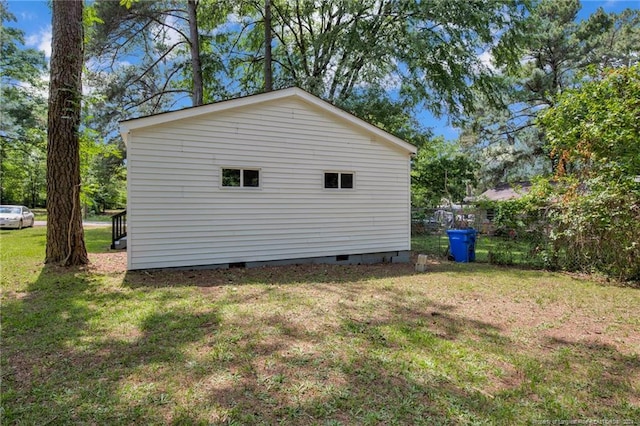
x: 461, y: 231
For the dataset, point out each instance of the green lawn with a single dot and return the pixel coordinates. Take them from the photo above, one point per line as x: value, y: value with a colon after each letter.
x: 488, y: 249
x: 41, y: 214
x: 328, y: 345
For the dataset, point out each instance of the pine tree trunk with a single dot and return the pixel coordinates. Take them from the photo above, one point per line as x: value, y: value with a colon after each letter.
x: 268, y: 71
x: 65, y: 235
x: 198, y: 87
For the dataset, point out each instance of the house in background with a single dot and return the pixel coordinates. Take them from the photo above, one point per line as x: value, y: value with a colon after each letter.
x: 506, y: 191
x: 279, y: 177
x: 501, y: 192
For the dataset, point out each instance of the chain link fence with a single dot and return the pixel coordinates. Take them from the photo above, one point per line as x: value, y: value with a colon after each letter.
x: 526, y: 242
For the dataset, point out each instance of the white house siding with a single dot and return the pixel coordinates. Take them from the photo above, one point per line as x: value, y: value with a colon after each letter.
x: 179, y: 215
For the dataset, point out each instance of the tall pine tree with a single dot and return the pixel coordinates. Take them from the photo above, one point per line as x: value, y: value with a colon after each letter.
x: 65, y: 235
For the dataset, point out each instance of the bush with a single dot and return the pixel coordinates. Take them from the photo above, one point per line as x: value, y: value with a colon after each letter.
x: 592, y: 227
x: 593, y: 137
x: 599, y: 230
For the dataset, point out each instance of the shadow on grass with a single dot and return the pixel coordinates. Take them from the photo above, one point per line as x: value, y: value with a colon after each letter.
x: 63, y: 362
x: 75, y: 351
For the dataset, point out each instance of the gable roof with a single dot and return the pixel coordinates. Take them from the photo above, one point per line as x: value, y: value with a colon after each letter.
x: 293, y: 92
x: 506, y: 191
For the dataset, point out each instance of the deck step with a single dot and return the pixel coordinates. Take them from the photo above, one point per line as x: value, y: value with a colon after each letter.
x: 121, y: 244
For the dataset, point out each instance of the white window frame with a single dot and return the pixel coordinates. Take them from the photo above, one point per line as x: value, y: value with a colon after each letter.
x: 241, y: 187
x: 340, y: 173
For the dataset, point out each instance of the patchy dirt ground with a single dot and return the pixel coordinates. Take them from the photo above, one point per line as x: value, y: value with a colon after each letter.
x: 317, y: 344
x: 538, y: 315
x: 109, y: 263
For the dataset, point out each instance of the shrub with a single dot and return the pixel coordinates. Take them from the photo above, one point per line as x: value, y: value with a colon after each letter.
x: 599, y: 229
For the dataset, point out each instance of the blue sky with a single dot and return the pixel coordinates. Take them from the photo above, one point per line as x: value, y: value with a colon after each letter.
x: 34, y: 18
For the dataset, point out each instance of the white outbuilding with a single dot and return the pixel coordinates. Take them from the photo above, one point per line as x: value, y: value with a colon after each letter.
x: 279, y: 177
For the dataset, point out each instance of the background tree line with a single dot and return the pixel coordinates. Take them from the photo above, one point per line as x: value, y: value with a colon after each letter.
x: 489, y: 67
x: 385, y: 61
x: 493, y: 68
x: 23, y: 133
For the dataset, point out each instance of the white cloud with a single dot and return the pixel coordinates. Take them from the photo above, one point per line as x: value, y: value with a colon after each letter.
x: 27, y: 16
x: 41, y: 41
x: 486, y: 59
x: 173, y: 36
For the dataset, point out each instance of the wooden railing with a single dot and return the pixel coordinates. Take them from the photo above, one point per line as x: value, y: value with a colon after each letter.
x: 118, y: 227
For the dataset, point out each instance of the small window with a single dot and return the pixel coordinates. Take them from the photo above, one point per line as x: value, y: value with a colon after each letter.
x: 331, y: 180
x: 346, y: 180
x: 231, y: 177
x: 338, y: 180
x: 241, y: 178
x: 251, y: 178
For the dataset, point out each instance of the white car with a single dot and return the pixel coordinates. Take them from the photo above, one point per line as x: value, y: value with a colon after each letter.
x: 16, y: 217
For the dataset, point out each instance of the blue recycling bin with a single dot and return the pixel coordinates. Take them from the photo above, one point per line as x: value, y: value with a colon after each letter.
x: 462, y: 244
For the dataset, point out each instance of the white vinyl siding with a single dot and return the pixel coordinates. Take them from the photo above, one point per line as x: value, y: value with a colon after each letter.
x: 179, y: 214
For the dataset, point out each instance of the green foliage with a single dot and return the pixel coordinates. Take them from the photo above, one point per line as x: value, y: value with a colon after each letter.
x: 538, y: 57
x: 594, y: 133
x: 23, y: 139
x: 588, y: 218
x: 418, y: 54
x: 103, y: 173
x: 598, y: 229
x: 375, y: 107
x: 440, y: 171
x: 90, y: 19
x: 160, y: 75
x: 17, y: 63
x: 595, y: 130
x: 520, y: 229
x: 426, y: 51
x: 23, y: 124
x: 520, y: 214
x: 367, y: 57
x: 542, y: 57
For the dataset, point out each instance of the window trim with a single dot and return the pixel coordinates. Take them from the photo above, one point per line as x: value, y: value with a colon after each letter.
x: 242, y: 187
x: 340, y: 173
